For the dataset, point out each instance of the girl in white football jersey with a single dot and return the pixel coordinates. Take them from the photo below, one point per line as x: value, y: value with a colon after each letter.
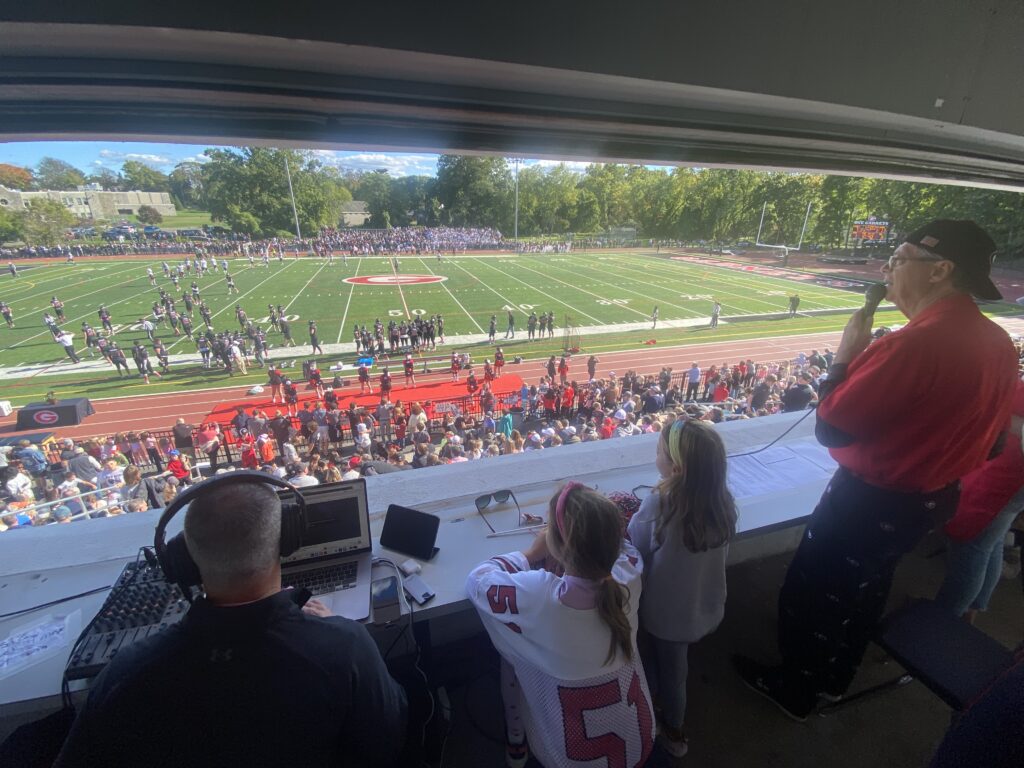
x: 563, y: 616
x: 682, y: 531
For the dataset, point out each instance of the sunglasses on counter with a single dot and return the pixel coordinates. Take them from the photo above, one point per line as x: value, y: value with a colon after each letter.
x: 501, y: 497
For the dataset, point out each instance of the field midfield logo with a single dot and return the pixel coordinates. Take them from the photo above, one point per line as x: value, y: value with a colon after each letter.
x: 395, y: 279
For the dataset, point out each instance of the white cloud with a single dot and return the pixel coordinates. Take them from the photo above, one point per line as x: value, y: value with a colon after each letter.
x: 571, y: 165
x: 114, y: 159
x: 394, y: 164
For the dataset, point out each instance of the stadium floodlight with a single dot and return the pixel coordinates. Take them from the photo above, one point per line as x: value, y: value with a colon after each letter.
x: 784, y: 248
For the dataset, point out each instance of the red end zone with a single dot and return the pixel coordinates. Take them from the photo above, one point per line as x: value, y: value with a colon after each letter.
x: 395, y: 279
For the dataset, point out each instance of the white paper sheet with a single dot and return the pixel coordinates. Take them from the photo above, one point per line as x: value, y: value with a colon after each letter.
x: 780, y: 468
x: 37, y: 641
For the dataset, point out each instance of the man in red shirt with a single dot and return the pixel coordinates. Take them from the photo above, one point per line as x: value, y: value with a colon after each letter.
x: 897, y: 416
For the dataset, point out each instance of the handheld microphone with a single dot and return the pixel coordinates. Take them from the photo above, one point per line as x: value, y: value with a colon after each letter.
x: 873, y: 297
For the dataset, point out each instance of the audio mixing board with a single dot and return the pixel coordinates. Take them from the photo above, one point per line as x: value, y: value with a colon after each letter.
x: 140, y: 605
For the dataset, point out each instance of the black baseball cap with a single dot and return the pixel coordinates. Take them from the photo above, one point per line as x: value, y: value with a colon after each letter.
x: 965, y: 244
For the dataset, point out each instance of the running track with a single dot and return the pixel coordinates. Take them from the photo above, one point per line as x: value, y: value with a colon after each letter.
x: 123, y: 414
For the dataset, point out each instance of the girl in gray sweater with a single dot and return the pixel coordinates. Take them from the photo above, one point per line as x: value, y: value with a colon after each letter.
x: 682, y: 530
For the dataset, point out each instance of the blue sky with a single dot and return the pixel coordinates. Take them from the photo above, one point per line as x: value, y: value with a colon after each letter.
x: 90, y: 156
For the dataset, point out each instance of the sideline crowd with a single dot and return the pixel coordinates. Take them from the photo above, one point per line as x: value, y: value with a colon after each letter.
x: 322, y: 442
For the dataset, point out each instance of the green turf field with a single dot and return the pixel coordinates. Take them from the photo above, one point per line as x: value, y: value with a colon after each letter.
x: 602, y: 293
x: 594, y: 290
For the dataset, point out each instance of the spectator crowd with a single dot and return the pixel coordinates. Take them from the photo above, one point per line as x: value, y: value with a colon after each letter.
x: 323, y: 442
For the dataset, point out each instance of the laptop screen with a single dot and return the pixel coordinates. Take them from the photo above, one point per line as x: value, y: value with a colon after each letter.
x: 337, y: 521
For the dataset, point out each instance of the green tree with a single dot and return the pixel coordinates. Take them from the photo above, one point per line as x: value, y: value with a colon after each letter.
x: 188, y: 184
x: 139, y: 176
x: 658, y: 201
x: 375, y: 191
x: 45, y: 221
x: 52, y: 173
x: 10, y: 225
x: 719, y: 205
x: 248, y: 190
x: 107, y: 179
x: 840, y: 201
x: 609, y: 185
x: 412, y: 201
x: 475, y: 191
x: 15, y: 177
x: 147, y: 214
x: 787, y: 195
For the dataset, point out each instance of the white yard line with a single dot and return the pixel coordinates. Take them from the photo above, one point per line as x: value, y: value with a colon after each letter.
x: 76, y: 319
x: 303, y: 290
x: 538, y: 290
x: 73, y: 299
x: 66, y: 271
x: 352, y: 290
x: 401, y: 293
x: 717, y: 291
x: 196, y: 329
x: 618, y: 287
x: 471, y: 318
x: 808, y: 291
x: 584, y: 290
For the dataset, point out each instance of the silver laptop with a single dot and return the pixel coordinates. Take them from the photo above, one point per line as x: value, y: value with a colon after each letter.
x: 334, y: 562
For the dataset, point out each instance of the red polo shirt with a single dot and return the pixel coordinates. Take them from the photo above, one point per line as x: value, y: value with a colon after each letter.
x: 925, y: 404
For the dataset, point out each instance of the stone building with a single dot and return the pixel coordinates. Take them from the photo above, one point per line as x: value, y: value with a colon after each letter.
x: 90, y: 203
x: 354, y: 213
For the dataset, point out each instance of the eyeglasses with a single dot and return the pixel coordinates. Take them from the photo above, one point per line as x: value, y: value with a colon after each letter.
x: 895, y: 261
x: 500, y: 497
x: 642, y: 491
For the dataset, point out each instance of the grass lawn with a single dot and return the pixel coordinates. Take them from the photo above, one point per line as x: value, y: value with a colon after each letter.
x: 598, y: 292
x: 186, y: 219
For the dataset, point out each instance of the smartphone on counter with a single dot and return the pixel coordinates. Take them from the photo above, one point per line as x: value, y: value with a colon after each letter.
x: 417, y: 589
x: 384, y: 598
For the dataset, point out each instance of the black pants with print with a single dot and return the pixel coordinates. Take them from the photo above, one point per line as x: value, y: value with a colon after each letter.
x: 838, y: 582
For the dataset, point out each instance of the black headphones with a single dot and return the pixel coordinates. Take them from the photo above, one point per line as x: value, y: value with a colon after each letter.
x: 175, y: 559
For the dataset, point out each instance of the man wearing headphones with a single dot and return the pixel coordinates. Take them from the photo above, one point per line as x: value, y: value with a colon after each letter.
x: 247, y: 677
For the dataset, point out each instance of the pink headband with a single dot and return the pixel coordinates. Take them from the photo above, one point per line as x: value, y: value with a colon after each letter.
x: 560, y: 505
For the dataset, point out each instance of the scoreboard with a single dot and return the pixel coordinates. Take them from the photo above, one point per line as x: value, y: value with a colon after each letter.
x: 871, y: 230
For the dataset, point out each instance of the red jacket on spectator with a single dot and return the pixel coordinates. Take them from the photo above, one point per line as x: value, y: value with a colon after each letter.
x: 250, y: 459
x: 177, y: 467
x: 568, y: 397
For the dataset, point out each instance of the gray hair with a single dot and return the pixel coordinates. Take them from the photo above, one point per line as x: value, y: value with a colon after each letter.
x: 233, y: 532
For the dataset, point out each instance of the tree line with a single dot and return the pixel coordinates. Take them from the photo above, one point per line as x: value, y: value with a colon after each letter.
x: 247, y: 190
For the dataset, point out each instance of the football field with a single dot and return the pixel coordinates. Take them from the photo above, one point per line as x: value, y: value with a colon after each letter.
x: 601, y: 292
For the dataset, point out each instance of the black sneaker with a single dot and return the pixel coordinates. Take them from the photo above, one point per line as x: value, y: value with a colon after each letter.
x: 769, y: 682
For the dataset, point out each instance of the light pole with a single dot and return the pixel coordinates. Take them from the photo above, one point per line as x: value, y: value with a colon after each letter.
x: 295, y: 211
x: 516, y: 225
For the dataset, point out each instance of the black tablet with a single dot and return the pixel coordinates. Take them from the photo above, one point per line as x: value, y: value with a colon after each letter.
x: 410, y: 532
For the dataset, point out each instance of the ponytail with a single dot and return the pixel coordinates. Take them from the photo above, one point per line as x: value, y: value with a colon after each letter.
x: 585, y: 533
x: 612, y: 600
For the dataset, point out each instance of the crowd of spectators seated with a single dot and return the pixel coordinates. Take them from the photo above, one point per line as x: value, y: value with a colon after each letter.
x: 75, y: 482
x: 412, y: 239
x: 357, y: 242
x: 130, y: 472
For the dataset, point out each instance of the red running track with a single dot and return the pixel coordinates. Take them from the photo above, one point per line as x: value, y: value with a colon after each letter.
x: 123, y: 414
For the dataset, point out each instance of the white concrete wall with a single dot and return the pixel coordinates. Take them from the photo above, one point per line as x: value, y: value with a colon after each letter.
x: 597, y: 463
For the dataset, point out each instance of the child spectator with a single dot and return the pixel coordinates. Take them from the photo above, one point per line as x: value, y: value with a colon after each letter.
x: 682, y: 530
x: 567, y: 641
